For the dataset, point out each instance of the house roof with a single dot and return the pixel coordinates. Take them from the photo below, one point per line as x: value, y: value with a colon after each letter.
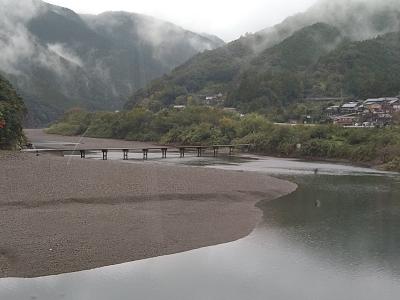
x: 345, y: 117
x: 350, y: 105
x: 380, y: 100
x: 333, y: 107
x: 373, y: 100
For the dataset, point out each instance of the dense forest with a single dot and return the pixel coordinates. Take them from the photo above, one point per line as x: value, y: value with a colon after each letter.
x: 12, y: 110
x: 288, y: 74
x: 279, y: 75
x: 363, y: 69
x: 199, y: 125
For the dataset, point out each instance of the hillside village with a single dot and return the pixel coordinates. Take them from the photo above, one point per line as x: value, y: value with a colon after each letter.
x: 374, y: 112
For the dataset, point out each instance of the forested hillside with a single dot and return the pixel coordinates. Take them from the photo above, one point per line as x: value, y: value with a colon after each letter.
x: 293, y: 70
x: 278, y: 76
x: 58, y: 59
x: 363, y: 69
x: 279, y: 57
x: 12, y: 110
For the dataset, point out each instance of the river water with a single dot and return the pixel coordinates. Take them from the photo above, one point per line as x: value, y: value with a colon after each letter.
x: 336, y: 237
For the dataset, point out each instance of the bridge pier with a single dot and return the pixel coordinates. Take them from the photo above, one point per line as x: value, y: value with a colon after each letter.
x: 215, y: 151
x: 231, y: 148
x: 199, y: 152
x: 145, y: 154
x: 105, y: 154
x: 125, y: 151
x: 182, y: 152
x: 164, y: 152
x: 83, y: 153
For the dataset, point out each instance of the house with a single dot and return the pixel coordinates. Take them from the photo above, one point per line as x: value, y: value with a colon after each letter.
x: 179, y: 107
x: 394, y: 105
x: 374, y: 104
x: 350, y: 107
x: 230, y: 109
x: 214, y: 99
x: 385, y: 105
x: 375, y: 107
x: 345, y: 120
x: 332, y: 110
x: 382, y: 119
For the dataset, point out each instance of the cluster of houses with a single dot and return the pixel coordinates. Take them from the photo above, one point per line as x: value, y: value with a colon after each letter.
x: 207, y: 100
x: 214, y: 99
x: 369, y: 113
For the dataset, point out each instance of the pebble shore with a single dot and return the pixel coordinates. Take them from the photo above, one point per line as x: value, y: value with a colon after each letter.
x: 58, y: 216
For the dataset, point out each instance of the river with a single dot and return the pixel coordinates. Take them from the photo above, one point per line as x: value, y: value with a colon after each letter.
x: 336, y: 237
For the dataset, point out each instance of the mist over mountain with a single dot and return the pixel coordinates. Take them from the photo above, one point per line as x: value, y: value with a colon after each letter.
x: 358, y: 69
x: 356, y: 19
x: 221, y: 70
x: 277, y: 76
x: 58, y: 59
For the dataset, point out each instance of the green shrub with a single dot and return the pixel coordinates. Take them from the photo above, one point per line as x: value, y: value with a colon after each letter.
x: 199, y: 125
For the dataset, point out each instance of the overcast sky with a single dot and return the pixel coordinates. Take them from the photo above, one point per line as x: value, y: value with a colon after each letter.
x: 226, y: 18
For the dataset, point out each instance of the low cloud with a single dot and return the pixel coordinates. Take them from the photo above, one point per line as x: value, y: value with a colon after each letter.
x: 19, y: 48
x: 16, y: 43
x: 68, y: 54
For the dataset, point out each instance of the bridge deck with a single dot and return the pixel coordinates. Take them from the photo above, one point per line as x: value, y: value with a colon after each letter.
x: 145, y: 150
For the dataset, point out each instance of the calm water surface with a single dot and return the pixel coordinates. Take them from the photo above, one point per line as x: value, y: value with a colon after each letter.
x: 336, y: 237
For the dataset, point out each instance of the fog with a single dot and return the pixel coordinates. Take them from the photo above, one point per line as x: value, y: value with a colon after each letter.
x: 15, y: 41
x: 222, y: 18
x: 227, y: 19
x: 97, y: 60
x: 111, y: 55
x: 358, y: 19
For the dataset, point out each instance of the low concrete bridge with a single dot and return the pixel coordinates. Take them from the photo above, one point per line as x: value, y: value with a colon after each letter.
x: 199, y: 150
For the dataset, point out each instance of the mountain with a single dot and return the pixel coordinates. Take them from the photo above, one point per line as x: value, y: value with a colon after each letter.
x: 277, y: 76
x: 292, y: 70
x: 214, y: 38
x: 221, y: 70
x: 300, y: 50
x: 12, y: 110
x: 362, y: 69
x: 58, y: 59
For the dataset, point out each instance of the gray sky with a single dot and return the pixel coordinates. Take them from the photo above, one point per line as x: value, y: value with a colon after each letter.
x: 226, y: 18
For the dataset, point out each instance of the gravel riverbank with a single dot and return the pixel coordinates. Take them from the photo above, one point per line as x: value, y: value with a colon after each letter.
x: 59, y: 217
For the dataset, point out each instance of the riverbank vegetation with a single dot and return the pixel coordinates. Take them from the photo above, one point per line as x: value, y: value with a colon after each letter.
x: 12, y: 111
x: 199, y: 125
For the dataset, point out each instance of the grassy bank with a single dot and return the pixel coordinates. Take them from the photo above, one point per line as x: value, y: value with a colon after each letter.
x: 203, y: 125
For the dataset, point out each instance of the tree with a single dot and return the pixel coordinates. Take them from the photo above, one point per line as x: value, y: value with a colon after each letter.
x: 12, y: 111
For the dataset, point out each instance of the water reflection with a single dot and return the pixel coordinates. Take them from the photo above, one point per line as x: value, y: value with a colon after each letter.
x: 357, y: 221
x: 336, y: 237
